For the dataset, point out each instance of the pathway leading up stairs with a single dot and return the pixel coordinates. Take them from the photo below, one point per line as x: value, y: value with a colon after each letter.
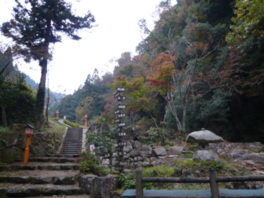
x: 72, y: 144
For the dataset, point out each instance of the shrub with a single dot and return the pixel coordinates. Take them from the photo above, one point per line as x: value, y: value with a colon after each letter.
x: 127, y: 180
x: 72, y: 124
x: 89, y: 164
x: 158, y: 171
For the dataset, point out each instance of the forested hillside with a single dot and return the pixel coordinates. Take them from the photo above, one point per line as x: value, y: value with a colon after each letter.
x: 16, y: 98
x: 18, y: 93
x: 201, y: 67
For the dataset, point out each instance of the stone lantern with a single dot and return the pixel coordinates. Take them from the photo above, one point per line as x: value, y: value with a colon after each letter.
x: 203, y: 138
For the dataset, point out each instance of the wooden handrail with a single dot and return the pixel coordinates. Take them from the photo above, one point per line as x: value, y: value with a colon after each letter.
x: 212, y: 179
x: 201, y: 179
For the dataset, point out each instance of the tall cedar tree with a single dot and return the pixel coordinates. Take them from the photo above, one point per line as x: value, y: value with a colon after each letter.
x: 36, y: 25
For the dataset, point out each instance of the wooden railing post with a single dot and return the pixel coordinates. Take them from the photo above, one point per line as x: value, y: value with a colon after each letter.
x: 139, y: 187
x: 213, y: 184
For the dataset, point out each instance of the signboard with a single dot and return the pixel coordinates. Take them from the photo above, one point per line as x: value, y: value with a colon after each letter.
x: 117, y: 94
x: 117, y: 111
x: 121, y: 89
x: 120, y: 98
x: 121, y: 106
x: 122, y: 124
x: 121, y: 115
x: 122, y: 143
x: 122, y: 134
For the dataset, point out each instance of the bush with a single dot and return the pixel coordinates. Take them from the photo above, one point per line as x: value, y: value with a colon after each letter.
x: 158, y: 171
x: 89, y: 164
x: 127, y: 181
x: 72, y: 124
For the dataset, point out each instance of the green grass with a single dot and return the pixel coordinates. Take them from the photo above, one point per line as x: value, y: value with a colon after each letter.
x: 54, y: 127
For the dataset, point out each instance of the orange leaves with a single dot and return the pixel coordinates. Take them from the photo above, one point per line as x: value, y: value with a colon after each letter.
x: 162, y: 71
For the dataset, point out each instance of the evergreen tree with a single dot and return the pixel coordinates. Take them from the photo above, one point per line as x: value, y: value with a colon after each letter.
x: 36, y: 25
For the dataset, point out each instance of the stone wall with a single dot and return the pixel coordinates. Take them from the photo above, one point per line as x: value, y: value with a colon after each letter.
x: 140, y: 155
x: 12, y: 145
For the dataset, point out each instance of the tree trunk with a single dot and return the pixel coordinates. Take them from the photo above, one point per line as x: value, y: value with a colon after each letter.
x: 175, y: 114
x: 41, y: 95
x: 47, y: 109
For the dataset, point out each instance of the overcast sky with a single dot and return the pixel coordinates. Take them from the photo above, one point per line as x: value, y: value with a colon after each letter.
x: 116, y: 32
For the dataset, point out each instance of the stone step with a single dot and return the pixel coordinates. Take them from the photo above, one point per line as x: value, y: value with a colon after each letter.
x: 39, y: 166
x: 71, y: 152
x: 52, y: 159
x: 72, y: 146
x: 29, y: 190
x: 40, y: 173
x: 61, y: 177
x: 65, y: 156
x: 57, y: 180
x: 64, y: 196
x: 72, y: 142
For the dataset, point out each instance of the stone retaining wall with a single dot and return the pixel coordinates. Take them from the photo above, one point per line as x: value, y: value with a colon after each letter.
x: 140, y: 155
x: 12, y: 145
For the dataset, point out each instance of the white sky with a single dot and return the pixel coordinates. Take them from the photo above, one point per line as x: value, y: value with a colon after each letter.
x: 117, y: 31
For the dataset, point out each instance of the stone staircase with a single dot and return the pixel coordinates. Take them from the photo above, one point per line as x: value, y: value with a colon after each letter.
x: 41, y: 177
x: 72, y: 144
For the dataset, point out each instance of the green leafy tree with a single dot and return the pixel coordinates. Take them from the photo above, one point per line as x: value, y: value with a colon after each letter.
x: 248, y: 21
x: 35, y: 26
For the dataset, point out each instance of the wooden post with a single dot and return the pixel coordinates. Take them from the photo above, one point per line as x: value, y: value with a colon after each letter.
x: 213, y: 184
x: 139, y: 188
x: 26, y: 153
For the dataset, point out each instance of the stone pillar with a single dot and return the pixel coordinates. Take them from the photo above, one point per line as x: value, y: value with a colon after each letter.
x: 57, y: 114
x: 86, y: 121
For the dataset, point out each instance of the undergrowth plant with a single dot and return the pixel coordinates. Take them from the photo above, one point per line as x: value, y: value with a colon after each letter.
x: 158, y: 171
x: 89, y: 164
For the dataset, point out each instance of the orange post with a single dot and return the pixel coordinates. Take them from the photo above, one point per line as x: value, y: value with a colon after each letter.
x: 28, y: 130
x: 26, y: 154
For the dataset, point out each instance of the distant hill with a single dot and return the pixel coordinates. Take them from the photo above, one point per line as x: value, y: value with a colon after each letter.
x: 54, y: 96
x: 30, y: 82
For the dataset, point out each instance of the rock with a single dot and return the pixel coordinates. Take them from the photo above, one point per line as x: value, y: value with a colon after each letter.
x: 206, y: 155
x: 103, y: 187
x: 137, y: 144
x: 146, y: 151
x: 237, y: 153
x: 175, y: 150
x: 160, y: 151
x: 155, y: 161
x: 86, y: 182
x: 128, y: 147
x: 134, y: 153
x: 105, y: 162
